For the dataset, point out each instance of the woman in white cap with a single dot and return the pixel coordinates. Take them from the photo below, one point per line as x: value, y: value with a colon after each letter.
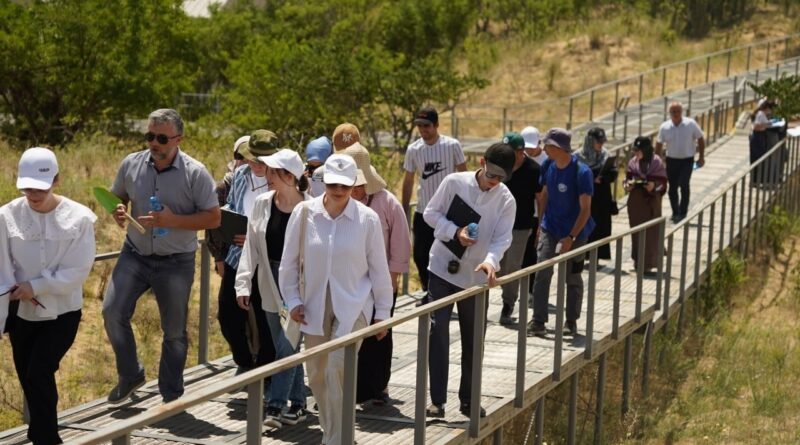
x: 46, y: 252
x: 344, y: 275
x: 261, y: 258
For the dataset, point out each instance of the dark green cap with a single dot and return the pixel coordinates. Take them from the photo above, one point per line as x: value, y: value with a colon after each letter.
x: 515, y: 140
x: 262, y: 143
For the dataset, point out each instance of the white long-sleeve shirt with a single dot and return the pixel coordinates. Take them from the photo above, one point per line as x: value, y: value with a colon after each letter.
x: 54, y: 251
x: 347, y: 254
x: 497, y: 209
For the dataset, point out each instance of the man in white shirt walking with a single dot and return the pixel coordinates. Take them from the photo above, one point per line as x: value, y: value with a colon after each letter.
x: 433, y: 156
x: 485, y: 193
x: 679, y: 134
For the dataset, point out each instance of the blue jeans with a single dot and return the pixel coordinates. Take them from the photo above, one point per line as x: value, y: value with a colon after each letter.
x: 170, y: 278
x: 287, y: 384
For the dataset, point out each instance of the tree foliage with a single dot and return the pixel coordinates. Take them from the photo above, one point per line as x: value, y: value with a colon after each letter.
x: 784, y: 92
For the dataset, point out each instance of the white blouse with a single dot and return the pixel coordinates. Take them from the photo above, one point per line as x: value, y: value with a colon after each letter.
x: 54, y: 251
x: 346, y: 254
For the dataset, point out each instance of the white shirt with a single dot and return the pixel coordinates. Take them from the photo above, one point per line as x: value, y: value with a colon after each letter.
x: 54, y: 251
x: 497, y: 209
x: 433, y: 162
x: 346, y: 254
x: 680, y: 139
x: 259, y: 183
x: 254, y: 259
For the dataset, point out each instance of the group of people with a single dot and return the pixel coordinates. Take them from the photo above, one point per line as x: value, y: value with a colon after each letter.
x: 309, y: 251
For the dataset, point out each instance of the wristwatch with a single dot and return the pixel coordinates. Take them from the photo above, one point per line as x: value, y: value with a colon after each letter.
x: 573, y: 238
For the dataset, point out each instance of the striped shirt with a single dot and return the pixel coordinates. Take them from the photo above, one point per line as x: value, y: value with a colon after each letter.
x: 433, y: 162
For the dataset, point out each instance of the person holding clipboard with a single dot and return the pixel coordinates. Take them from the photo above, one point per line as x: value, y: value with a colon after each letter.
x: 460, y: 259
x: 245, y: 330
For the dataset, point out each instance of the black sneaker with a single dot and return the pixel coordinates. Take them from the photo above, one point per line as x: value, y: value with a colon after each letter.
x: 294, y: 415
x: 465, y: 410
x: 273, y: 417
x: 505, y: 315
x: 435, y: 410
x: 571, y: 328
x: 536, y: 329
x: 123, y: 391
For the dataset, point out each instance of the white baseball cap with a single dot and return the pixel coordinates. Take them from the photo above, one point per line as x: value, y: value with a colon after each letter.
x: 531, y: 137
x: 37, y: 169
x: 286, y: 159
x: 340, y: 169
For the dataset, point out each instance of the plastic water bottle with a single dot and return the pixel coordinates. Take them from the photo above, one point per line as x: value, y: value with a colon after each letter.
x: 695, y: 166
x: 156, y: 206
x: 472, y: 230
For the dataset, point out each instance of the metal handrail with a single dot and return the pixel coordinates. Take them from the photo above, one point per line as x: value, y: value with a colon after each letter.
x: 120, y: 432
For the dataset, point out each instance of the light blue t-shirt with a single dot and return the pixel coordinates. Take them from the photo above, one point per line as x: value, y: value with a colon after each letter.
x: 564, y: 187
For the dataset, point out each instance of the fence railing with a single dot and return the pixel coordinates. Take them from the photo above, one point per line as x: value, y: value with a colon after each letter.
x: 772, y: 180
x: 489, y: 121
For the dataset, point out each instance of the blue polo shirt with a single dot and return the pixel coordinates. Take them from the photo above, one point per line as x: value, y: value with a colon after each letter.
x: 564, y: 187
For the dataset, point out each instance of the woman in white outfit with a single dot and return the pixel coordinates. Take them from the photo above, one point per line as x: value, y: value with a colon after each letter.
x: 46, y: 252
x: 263, y: 248
x: 345, y: 276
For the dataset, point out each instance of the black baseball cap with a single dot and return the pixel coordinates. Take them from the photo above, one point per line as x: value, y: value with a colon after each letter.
x: 500, y: 160
x: 598, y: 134
x: 426, y: 116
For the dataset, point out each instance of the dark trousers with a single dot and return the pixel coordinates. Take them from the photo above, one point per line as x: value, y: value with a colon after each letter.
x: 374, y: 364
x: 233, y: 322
x: 38, y: 347
x: 530, y: 252
x: 423, y: 241
x: 679, y: 173
x: 439, y: 357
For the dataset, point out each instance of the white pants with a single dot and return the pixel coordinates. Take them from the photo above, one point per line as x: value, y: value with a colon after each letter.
x: 326, y: 375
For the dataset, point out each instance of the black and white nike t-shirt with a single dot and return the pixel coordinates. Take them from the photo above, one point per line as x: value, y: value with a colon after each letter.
x: 432, y: 163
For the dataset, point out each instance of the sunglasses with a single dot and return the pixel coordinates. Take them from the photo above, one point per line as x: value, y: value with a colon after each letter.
x: 500, y: 178
x: 161, y: 138
x: 310, y: 168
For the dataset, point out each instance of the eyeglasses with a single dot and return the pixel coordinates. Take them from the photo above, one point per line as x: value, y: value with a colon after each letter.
x: 500, y: 178
x: 310, y: 168
x: 161, y: 138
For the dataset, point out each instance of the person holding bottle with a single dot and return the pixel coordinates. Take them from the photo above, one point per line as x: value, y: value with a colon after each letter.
x: 165, y: 263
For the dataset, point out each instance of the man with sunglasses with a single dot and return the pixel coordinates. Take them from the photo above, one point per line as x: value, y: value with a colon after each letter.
x: 164, y: 263
x: 433, y: 156
x: 486, y: 195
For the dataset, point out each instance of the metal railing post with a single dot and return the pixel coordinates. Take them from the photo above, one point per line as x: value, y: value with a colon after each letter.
x: 481, y: 301
x: 728, y: 64
x: 722, y: 222
x: 591, y: 106
x: 641, y: 113
x: 539, y: 421
x: 698, y: 253
x: 663, y: 81
x: 733, y: 214
x: 710, y: 247
x: 689, y: 105
x: 423, y: 345
x: 614, y: 125
x: 122, y: 440
x: 617, y: 281
x: 749, y: 52
x: 769, y: 46
x: 255, y: 411
x: 662, y: 227
x: 626, y: 375
x: 592, y: 290
x: 522, y: 341
x: 505, y: 120
x: 598, y: 412
x: 571, y: 105
x: 668, y: 276
x: 641, y: 85
x: 642, y: 240
x: 625, y: 129
x: 682, y: 289
x: 713, y: 87
x: 559, y: 341
x: 205, y: 286
x: 349, y: 393
x: 708, y: 67
x: 648, y: 341
x: 573, y: 409
x: 686, y: 76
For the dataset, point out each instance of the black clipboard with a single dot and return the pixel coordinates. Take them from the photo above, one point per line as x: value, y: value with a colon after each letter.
x: 611, y: 162
x: 460, y: 214
x: 232, y: 224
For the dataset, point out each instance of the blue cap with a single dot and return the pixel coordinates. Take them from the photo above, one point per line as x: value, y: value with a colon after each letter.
x: 318, y: 150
